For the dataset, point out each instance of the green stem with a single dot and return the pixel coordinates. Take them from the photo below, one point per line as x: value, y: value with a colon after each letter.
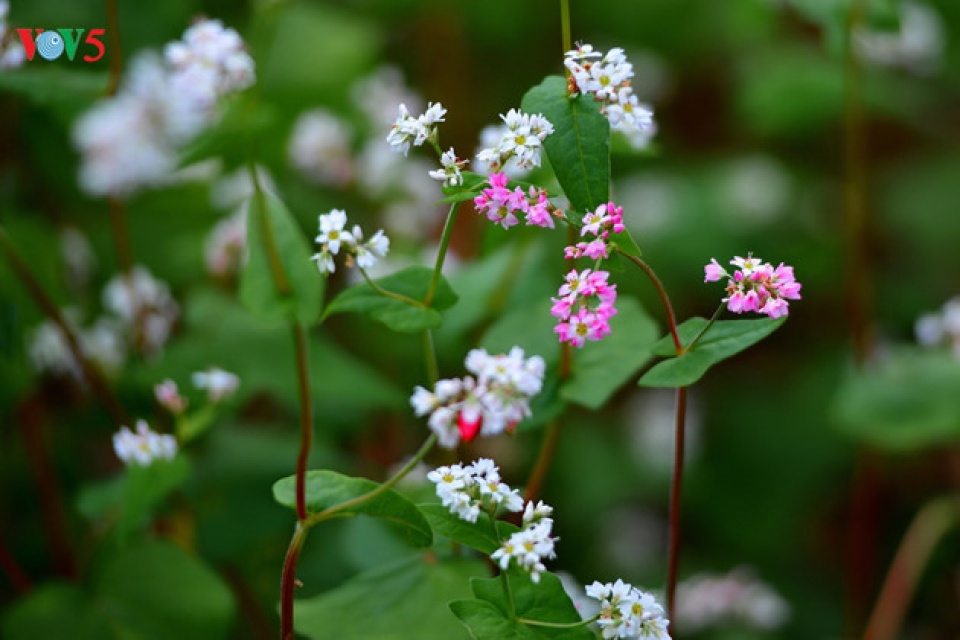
x: 329, y: 512
x: 442, y: 252
x: 508, y: 593
x: 557, y: 625
x: 928, y: 528
x: 696, y: 339
x: 306, y: 417
x: 116, y: 52
x: 288, y: 581
x: 270, y: 244
x: 49, y: 308
x: 430, y: 357
x: 390, y: 294
x: 565, y: 26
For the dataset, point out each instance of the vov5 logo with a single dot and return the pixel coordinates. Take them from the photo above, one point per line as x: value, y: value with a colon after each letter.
x: 52, y: 44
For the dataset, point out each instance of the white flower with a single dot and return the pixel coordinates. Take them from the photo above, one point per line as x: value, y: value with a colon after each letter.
x: 324, y: 261
x: 449, y: 172
x: 145, y: 306
x: 319, y: 148
x: 627, y: 612
x: 717, y: 600
x: 331, y: 231
x: 144, y: 446
x: 218, y: 383
x: 406, y: 130
x: 225, y: 245
x: 423, y: 401
x: 527, y: 549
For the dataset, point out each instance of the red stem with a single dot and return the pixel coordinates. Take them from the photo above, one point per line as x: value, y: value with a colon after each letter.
x: 306, y: 419
x: 673, y: 554
x: 288, y: 581
x: 19, y: 579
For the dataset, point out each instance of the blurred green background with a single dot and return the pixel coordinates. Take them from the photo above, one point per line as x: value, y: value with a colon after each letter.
x: 788, y: 473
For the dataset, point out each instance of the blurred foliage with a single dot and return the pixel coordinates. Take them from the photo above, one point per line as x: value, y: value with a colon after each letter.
x: 750, y: 97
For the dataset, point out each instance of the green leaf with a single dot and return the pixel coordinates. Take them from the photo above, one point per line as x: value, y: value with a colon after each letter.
x: 724, y: 339
x: 406, y: 599
x: 56, y: 610
x: 327, y: 489
x: 279, y: 280
x: 470, y: 189
x: 907, y: 402
x: 600, y: 368
x: 625, y: 242
x: 579, y: 147
x: 545, y: 601
x: 407, y: 315
x: 130, y: 499
x: 155, y: 590
x: 478, y: 535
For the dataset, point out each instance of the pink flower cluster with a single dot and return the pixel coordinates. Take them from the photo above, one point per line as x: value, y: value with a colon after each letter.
x: 756, y: 286
x: 585, y: 306
x: 599, y: 223
x: 501, y: 205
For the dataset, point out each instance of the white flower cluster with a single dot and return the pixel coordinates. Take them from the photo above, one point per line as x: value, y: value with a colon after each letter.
x: 12, y: 54
x: 449, y: 171
x: 225, y: 245
x: 319, y: 148
x: 145, y: 307
x: 607, y: 79
x: 219, y: 384
x: 130, y: 141
x: 533, y: 544
x: 496, y: 400
x: 407, y: 130
x: 941, y: 328
x: 333, y: 236
x: 144, y: 446
x: 735, y: 598
x: 521, y: 142
x: 466, y: 491
x: 101, y: 343
x: 627, y: 612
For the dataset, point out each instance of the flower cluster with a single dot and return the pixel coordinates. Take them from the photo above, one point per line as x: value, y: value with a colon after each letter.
x: 145, y: 307
x: 488, y: 404
x: 319, y: 148
x: 598, y: 223
x: 941, y: 328
x: 131, y: 140
x: 144, y: 446
x: 408, y: 130
x: 218, y: 384
x: 101, y: 343
x: 501, y: 205
x: 449, y: 172
x: 627, y: 612
x: 521, y: 141
x: 607, y: 79
x: 584, y: 307
x: 333, y: 236
x: 533, y: 544
x: 736, y: 598
x: 466, y: 491
x: 756, y: 286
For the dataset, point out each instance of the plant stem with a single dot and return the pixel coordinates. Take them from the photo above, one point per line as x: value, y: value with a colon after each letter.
x: 49, y: 308
x: 557, y: 625
x: 673, y: 553
x: 927, y: 529
x: 288, y: 580
x: 384, y: 486
x: 121, y: 235
x: 565, y: 26
x: 664, y: 298
x: 547, y: 450
x: 445, y: 237
x: 116, y: 51
x: 430, y: 357
x: 306, y: 417
x: 19, y: 579
x: 696, y: 339
x: 390, y: 294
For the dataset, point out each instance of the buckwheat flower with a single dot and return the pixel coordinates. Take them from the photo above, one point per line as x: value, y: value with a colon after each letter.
x: 468, y: 490
x: 168, y: 395
x: 144, y: 446
x: 941, y: 328
x: 102, y: 344
x: 449, y: 171
x: 379, y: 94
x: 521, y: 141
x: 218, y: 383
x: 145, y: 307
x: 738, y: 598
x: 584, y: 308
x: 407, y: 130
x: 332, y: 232
x: 757, y: 286
x: 319, y: 148
x: 210, y: 50
x: 539, y: 513
x: 627, y: 612
x: 324, y: 260
x: 225, y: 245
x: 527, y: 549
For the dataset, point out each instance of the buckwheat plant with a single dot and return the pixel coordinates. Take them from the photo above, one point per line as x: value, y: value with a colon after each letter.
x: 558, y: 137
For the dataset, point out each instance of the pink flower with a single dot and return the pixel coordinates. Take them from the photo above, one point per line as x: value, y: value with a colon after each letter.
x: 585, y: 307
x: 713, y: 271
x: 756, y: 286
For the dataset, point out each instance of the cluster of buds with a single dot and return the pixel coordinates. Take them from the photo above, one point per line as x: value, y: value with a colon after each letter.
x: 501, y: 205
x: 333, y: 237
x: 627, y: 612
x: 144, y: 446
x: 449, y: 172
x: 492, y: 402
x: 522, y: 141
x: 607, y: 79
x: 756, y: 286
x: 584, y: 307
